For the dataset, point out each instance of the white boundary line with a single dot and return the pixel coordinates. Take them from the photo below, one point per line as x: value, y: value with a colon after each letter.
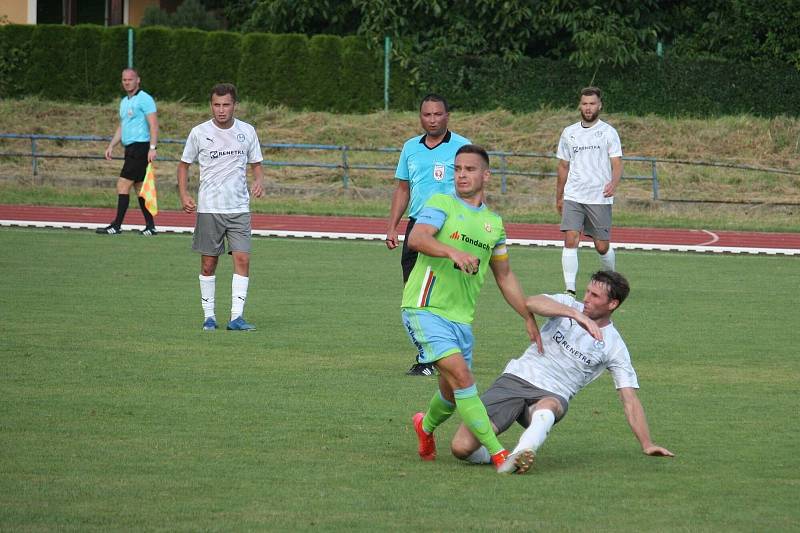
x: 701, y: 248
x: 714, y: 238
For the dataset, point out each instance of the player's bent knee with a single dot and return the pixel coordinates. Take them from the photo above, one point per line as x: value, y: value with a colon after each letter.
x: 550, y: 404
x: 461, y: 449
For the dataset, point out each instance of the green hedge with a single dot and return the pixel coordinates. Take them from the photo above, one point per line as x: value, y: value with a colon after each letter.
x: 342, y: 74
x: 48, y: 74
x: 83, y: 63
x: 113, y: 58
x: 362, y: 77
x: 255, y: 72
x: 324, y: 72
x: 219, y: 62
x: 15, y: 49
x: 186, y: 80
x: 152, y: 58
x: 673, y: 87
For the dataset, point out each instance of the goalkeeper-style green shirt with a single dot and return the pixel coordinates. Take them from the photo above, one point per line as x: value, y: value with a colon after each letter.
x: 435, y: 284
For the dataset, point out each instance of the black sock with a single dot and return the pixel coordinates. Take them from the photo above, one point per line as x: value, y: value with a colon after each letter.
x: 122, y: 206
x: 148, y: 218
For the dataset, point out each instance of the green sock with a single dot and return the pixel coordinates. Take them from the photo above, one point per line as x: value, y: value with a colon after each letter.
x: 472, y: 411
x: 439, y: 410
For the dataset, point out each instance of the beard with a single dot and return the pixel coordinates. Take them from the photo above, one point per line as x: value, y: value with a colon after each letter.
x: 590, y: 117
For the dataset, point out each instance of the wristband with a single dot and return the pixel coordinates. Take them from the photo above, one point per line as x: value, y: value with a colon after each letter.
x: 153, y: 147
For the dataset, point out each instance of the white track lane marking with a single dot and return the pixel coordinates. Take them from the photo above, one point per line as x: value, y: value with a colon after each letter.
x: 702, y: 248
x: 714, y: 238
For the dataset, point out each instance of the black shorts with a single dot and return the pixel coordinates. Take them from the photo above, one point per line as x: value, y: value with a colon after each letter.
x: 409, y: 257
x: 135, y: 165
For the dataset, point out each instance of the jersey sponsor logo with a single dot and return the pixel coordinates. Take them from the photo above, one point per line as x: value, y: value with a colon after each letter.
x: 579, y: 149
x: 438, y: 171
x: 475, y: 242
x: 457, y: 236
x: 561, y: 340
x: 224, y: 153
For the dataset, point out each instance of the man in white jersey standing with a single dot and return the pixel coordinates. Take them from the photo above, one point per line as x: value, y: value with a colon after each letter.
x: 580, y: 342
x: 224, y: 146
x: 589, y: 170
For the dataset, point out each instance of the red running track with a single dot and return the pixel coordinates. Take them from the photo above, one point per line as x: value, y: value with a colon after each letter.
x: 733, y: 240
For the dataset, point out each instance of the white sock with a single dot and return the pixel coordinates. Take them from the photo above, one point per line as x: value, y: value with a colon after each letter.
x: 208, y: 285
x: 609, y: 260
x: 569, y: 264
x: 238, y: 295
x: 533, y: 437
x: 480, y: 456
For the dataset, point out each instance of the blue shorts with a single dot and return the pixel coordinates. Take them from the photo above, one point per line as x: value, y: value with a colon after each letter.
x: 436, y: 337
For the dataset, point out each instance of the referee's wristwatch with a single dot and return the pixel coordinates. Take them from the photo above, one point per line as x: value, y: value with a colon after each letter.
x: 153, y: 147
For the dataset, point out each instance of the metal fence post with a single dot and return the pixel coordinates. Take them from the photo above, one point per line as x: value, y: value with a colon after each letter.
x: 503, y: 168
x: 346, y: 167
x: 387, y: 54
x: 130, y: 47
x: 33, y: 157
x: 655, y: 180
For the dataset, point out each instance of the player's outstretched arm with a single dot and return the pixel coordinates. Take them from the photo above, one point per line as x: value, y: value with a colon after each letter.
x: 400, y: 198
x: 511, y: 289
x: 543, y: 305
x: 634, y: 412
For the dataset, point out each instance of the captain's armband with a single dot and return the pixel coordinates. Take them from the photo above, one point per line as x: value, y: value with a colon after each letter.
x: 500, y: 253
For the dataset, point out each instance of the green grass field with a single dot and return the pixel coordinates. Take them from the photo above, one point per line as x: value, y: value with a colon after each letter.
x: 118, y: 413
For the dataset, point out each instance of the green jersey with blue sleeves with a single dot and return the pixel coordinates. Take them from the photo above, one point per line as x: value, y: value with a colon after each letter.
x: 435, y: 284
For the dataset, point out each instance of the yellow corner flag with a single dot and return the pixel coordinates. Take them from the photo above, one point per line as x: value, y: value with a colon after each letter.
x: 148, y: 190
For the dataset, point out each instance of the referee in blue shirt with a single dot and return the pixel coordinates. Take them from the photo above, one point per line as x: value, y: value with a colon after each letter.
x: 138, y: 132
x: 425, y: 168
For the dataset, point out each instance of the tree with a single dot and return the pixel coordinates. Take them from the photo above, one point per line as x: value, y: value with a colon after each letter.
x: 190, y: 14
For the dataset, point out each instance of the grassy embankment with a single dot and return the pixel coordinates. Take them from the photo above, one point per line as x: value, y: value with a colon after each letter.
x: 729, y: 198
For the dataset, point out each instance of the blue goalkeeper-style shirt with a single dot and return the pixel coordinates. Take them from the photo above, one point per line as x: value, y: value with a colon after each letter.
x: 428, y: 171
x: 133, y: 111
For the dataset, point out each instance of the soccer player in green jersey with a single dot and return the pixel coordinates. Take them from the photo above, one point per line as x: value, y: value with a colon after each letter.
x: 458, y: 239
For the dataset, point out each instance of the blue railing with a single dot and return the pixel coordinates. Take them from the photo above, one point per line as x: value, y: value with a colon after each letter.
x: 345, y: 165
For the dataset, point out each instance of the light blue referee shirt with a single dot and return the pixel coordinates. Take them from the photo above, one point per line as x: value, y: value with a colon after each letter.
x: 428, y: 170
x: 133, y: 111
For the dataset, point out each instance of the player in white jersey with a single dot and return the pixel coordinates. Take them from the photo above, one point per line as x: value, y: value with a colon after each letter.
x: 589, y: 170
x: 224, y: 146
x: 580, y: 342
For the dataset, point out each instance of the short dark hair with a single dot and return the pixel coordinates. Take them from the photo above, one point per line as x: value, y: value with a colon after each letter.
x: 433, y: 97
x: 616, y: 284
x: 221, y: 89
x: 474, y: 149
x: 593, y: 91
